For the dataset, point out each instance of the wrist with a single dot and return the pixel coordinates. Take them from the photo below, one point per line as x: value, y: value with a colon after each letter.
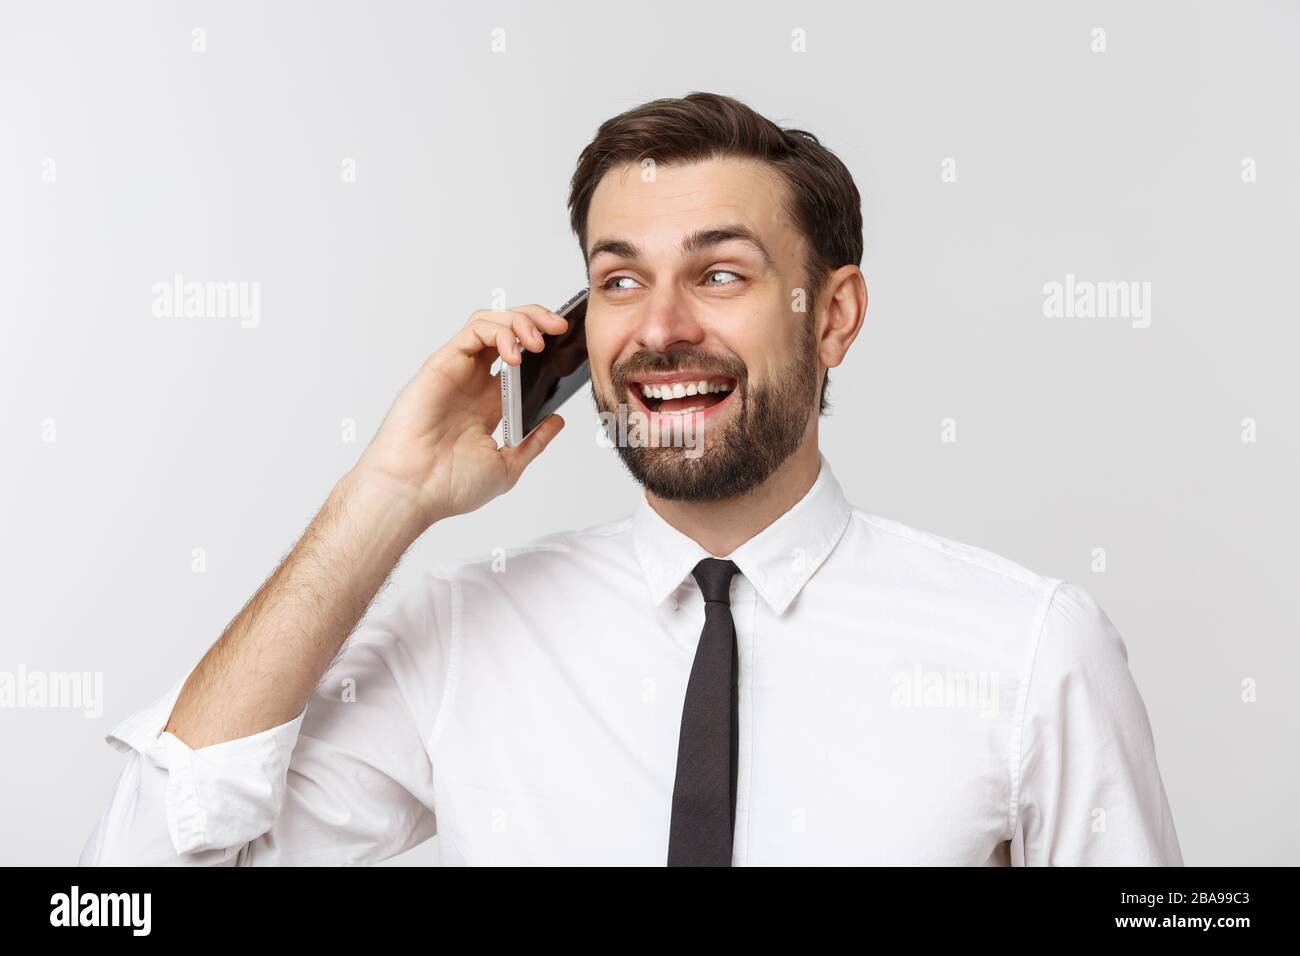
x: 384, y: 502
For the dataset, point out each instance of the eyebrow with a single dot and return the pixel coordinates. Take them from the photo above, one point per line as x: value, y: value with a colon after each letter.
x: 694, y: 243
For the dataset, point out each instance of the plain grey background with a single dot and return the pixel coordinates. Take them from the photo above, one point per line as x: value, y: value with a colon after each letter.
x: 1073, y: 434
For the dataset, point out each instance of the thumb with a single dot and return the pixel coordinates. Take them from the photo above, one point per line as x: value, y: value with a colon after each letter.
x: 519, y: 457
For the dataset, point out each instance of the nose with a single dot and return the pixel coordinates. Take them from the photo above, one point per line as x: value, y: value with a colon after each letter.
x: 667, y: 322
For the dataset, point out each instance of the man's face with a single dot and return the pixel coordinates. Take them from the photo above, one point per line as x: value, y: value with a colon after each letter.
x: 675, y: 301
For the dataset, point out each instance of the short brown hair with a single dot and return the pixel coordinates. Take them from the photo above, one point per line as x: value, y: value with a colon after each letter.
x: 823, y: 200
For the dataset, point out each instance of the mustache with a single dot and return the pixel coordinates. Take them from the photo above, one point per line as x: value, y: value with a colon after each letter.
x: 625, y: 372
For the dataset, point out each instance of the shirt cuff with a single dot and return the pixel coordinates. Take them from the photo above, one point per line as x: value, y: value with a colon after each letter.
x: 218, y: 796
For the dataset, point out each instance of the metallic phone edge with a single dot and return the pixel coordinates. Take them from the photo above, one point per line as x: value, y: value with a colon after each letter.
x: 511, y: 400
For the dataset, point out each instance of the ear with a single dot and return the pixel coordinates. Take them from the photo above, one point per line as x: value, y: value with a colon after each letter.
x: 841, y: 311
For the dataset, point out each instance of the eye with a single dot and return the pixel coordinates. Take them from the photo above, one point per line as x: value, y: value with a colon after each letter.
x: 608, y: 284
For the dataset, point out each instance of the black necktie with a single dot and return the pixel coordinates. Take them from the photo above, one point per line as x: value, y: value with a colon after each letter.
x: 704, y: 794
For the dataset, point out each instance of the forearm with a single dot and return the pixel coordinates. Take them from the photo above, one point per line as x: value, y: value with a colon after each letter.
x: 263, y: 669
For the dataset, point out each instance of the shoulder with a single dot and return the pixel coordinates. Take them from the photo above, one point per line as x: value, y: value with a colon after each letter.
x: 546, y: 557
x: 1059, y: 639
x: 946, y: 562
x: 1076, y: 636
x: 1052, y: 622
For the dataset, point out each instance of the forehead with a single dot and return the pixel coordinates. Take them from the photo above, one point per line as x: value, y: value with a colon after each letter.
x: 682, y: 198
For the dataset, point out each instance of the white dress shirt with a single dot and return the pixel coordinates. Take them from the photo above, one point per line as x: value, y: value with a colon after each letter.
x: 904, y: 699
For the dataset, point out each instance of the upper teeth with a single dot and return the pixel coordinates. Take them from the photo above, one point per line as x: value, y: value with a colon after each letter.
x: 682, y: 389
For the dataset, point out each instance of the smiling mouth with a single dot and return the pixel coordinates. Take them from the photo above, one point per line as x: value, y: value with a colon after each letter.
x: 682, y: 393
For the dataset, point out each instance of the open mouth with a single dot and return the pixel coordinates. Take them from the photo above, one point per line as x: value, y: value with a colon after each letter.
x: 682, y: 392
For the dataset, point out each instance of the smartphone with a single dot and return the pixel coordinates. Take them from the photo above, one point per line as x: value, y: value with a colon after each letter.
x: 543, y: 381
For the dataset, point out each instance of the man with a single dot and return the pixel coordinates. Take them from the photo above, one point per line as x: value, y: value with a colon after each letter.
x: 747, y: 671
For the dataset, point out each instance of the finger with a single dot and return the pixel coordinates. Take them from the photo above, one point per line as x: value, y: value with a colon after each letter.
x: 507, y: 347
x: 518, y: 458
x: 527, y: 321
x: 476, y: 337
x: 482, y: 333
x: 544, y: 318
x: 525, y: 329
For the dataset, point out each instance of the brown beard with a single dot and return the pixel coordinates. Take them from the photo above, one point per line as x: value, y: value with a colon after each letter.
x: 763, y: 432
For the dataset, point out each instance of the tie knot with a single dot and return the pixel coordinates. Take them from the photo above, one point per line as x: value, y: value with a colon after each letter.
x: 714, y: 575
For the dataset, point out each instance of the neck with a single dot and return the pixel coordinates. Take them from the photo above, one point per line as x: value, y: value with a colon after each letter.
x: 720, y: 527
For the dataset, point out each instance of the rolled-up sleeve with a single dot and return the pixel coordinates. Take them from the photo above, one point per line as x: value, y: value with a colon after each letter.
x: 347, y: 781
x: 1089, y: 789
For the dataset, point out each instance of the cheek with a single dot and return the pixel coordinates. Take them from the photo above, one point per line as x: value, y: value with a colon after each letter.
x: 768, y: 352
x: 602, y: 351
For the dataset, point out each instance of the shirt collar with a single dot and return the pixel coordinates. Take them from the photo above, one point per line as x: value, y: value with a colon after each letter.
x: 778, y: 561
